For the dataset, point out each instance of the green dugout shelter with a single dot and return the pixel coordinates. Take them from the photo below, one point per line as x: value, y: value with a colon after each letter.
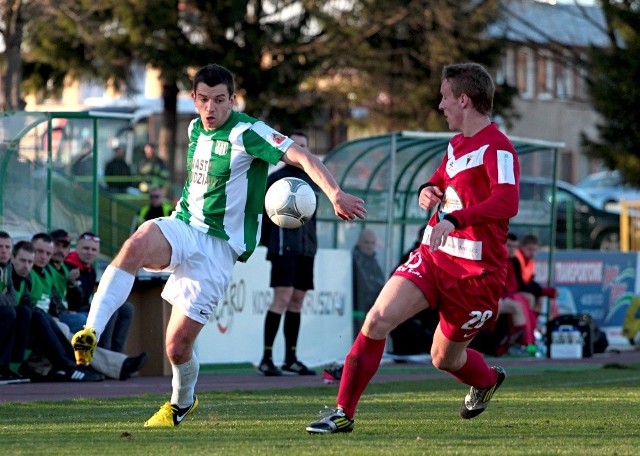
x: 386, y: 172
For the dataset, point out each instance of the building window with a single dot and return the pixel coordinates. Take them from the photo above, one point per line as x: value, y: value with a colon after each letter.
x: 525, y: 75
x: 565, y: 80
x: 544, y: 75
x: 506, y: 71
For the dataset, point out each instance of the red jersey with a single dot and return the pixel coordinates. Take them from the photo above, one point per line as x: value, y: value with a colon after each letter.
x: 479, y: 177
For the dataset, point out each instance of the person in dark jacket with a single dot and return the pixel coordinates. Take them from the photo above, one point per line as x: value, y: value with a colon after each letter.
x: 51, y: 357
x: 116, y: 172
x: 368, y: 278
x: 291, y: 253
x: 15, y: 319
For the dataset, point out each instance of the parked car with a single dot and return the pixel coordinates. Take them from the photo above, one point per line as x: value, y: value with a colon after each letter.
x: 582, y: 222
x: 607, y: 186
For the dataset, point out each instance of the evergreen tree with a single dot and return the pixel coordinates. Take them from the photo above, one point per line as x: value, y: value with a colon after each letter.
x: 257, y: 40
x: 384, y: 57
x: 265, y: 44
x: 615, y: 92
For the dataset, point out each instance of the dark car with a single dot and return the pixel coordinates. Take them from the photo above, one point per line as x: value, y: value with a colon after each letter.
x: 581, y: 220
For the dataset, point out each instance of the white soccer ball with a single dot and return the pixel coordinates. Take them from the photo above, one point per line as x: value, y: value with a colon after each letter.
x: 290, y: 202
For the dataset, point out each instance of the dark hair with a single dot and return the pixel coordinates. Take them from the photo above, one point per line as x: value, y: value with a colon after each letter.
x: 22, y: 245
x: 473, y: 80
x: 4, y: 235
x: 60, y: 235
x: 300, y: 133
x: 529, y: 239
x: 512, y: 237
x: 46, y: 237
x: 214, y: 74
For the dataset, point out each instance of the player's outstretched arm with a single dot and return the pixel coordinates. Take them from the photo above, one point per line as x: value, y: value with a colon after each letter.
x: 345, y: 205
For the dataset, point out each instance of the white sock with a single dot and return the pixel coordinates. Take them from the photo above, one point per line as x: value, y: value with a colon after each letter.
x: 113, y: 290
x: 184, y: 381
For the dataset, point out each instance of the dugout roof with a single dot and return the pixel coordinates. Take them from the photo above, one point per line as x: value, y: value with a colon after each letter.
x: 386, y: 172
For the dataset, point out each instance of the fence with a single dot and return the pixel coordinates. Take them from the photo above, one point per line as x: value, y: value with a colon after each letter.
x: 51, y: 175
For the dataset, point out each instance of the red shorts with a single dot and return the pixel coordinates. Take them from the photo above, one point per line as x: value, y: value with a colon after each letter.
x: 464, y: 305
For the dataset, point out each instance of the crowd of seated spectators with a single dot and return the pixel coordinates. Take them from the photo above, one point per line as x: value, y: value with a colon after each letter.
x: 45, y: 296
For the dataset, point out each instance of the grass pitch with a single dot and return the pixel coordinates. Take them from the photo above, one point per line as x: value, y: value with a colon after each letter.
x: 590, y: 411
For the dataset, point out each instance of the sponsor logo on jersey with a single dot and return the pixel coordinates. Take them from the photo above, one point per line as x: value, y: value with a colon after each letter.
x: 277, y: 138
x: 467, y: 161
x: 414, y: 260
x: 221, y: 148
x: 458, y: 247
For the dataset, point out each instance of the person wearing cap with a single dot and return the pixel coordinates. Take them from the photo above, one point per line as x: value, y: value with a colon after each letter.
x: 50, y: 351
x: 64, y: 279
x: 50, y: 336
x: 79, y: 298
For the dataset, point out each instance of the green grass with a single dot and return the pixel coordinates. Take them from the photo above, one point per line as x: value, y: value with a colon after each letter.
x: 589, y: 411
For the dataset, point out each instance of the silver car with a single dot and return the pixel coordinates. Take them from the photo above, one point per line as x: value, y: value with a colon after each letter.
x: 607, y: 186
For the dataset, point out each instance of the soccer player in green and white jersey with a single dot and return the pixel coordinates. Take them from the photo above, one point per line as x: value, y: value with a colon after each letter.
x: 216, y: 222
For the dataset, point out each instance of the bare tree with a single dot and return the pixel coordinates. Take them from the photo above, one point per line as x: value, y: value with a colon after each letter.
x: 12, y: 21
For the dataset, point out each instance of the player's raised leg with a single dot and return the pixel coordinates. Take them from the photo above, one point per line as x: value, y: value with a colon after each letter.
x: 146, y: 247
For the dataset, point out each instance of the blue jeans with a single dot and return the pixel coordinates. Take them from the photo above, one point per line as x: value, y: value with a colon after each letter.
x: 114, y: 336
x: 74, y: 320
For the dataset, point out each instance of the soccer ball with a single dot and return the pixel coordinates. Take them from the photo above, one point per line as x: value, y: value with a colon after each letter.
x: 290, y: 202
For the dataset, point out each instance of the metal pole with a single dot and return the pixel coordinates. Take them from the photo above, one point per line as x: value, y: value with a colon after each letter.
x: 391, y: 197
x: 552, y: 243
x: 96, y: 195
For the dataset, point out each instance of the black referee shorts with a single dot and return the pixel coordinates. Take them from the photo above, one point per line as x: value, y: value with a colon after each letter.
x: 292, y: 271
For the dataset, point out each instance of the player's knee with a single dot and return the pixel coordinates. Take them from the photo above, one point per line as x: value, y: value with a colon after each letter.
x: 295, y: 305
x: 376, y: 325
x: 133, y: 250
x: 441, y: 362
x: 178, y: 351
x: 278, y: 306
x: 440, y: 357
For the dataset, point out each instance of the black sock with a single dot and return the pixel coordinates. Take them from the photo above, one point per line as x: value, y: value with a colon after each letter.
x: 291, y: 331
x: 271, y: 325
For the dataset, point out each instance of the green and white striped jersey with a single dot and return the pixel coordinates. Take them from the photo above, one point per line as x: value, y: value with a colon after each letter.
x: 226, y: 179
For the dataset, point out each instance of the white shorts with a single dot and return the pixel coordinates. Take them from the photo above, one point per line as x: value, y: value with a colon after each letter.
x: 200, y: 268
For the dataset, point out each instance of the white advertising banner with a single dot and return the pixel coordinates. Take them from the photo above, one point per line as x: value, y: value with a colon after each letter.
x: 235, y: 332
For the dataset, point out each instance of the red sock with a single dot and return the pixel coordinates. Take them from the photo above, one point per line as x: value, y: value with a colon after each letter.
x: 360, y: 366
x: 476, y: 372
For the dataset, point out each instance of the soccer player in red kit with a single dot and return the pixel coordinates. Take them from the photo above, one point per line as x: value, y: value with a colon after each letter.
x: 460, y: 267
